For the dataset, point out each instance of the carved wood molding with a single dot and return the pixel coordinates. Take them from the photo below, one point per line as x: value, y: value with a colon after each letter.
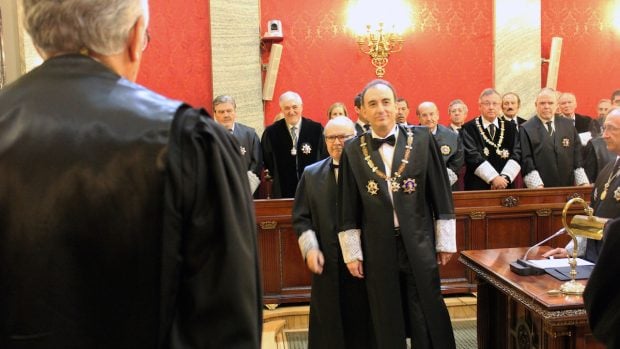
x: 574, y: 195
x: 268, y: 225
x: 477, y: 215
x: 510, y: 201
x: 544, y: 212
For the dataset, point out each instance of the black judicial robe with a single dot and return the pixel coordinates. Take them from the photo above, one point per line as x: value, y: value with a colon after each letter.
x: 583, y: 123
x: 554, y: 157
x: 474, y: 146
x: 601, y: 297
x: 249, y: 146
x: 416, y: 212
x: 597, y: 156
x: 124, y: 220
x: 607, y: 208
x: 286, y: 169
x: 339, y: 314
x: 451, y: 148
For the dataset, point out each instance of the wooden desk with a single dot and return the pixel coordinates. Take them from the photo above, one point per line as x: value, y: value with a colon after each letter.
x: 517, y: 312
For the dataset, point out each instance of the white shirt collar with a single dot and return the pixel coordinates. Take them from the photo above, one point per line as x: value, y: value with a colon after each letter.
x: 298, y: 125
x: 393, y: 132
x: 486, y: 124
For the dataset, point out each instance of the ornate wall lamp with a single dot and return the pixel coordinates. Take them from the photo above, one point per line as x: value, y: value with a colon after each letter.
x: 379, y: 28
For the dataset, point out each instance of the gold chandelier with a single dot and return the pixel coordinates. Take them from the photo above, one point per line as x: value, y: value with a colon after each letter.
x: 379, y: 44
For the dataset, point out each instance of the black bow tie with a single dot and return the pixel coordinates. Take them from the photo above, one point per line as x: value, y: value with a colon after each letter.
x: 378, y: 142
x: 335, y: 165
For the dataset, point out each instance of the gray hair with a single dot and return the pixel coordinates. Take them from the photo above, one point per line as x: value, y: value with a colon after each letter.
x: 290, y: 95
x: 74, y: 25
x: 340, y: 121
x: 224, y: 99
x: 455, y: 102
x: 487, y: 92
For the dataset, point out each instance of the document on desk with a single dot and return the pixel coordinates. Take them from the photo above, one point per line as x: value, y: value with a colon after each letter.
x: 556, y: 263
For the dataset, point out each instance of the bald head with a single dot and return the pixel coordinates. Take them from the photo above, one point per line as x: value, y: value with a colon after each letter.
x: 428, y: 114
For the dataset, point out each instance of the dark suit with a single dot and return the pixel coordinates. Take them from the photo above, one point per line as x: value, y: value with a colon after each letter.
x: 339, y: 314
x: 475, y: 156
x: 583, y: 123
x: 451, y: 148
x: 555, y: 157
x: 249, y: 147
x: 596, y: 157
x: 430, y: 199
x: 118, y: 208
x: 285, y: 168
x: 601, y: 297
x: 520, y: 120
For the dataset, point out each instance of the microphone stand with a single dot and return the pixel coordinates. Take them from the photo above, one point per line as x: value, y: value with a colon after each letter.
x: 523, y: 267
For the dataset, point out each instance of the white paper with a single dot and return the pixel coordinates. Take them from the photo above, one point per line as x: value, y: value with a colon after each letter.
x: 556, y: 263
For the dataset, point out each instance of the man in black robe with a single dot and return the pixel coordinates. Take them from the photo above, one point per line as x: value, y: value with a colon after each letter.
x: 551, y: 151
x: 397, y: 224
x: 124, y: 220
x: 339, y: 315
x: 492, y: 150
x: 601, y: 297
x: 605, y: 198
x: 291, y: 144
x: 510, y: 108
x: 225, y: 113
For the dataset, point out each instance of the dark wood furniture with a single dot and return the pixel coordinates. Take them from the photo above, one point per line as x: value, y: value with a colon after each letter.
x: 518, y: 312
x: 485, y: 219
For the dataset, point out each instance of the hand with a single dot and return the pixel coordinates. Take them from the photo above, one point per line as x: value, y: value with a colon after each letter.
x: 556, y: 253
x: 443, y: 257
x: 356, y: 269
x: 315, y: 261
x: 499, y: 182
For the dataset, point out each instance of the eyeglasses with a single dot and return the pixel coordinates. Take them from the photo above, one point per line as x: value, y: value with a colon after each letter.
x: 341, y: 138
x: 491, y: 104
x: 146, y: 41
x: 610, y: 128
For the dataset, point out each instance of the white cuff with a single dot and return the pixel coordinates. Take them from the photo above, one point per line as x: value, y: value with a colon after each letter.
x: 452, y: 177
x: 511, y: 169
x: 351, y: 245
x: 254, y: 181
x: 581, y: 246
x: 486, y: 172
x: 581, y: 177
x: 585, y: 137
x: 307, y: 241
x: 533, y: 180
x: 445, y: 235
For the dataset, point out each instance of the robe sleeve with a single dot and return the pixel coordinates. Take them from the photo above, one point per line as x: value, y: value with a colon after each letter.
x: 268, y: 153
x: 302, y: 219
x: 350, y: 211
x: 439, y: 196
x: 211, y: 289
x: 527, y: 154
x: 256, y: 161
x: 456, y: 161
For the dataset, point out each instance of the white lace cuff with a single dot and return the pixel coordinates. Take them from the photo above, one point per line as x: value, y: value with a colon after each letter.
x: 445, y: 235
x: 511, y: 169
x: 307, y: 241
x: 351, y: 245
x: 254, y: 181
x: 486, y: 172
x: 452, y: 177
x: 581, y: 177
x: 581, y: 246
x: 533, y: 180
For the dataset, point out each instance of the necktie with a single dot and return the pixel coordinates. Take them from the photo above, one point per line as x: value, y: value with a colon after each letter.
x: 378, y: 142
x: 492, y: 131
x: 294, y: 135
x: 549, y: 128
x: 513, y: 122
x: 366, y: 127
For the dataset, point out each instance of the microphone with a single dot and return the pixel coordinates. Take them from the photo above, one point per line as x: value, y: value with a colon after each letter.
x: 523, y: 267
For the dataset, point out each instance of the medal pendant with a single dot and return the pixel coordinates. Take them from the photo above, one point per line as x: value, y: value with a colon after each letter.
x: 486, y: 151
x: 372, y: 187
x: 604, y: 194
x: 395, y: 186
x: 409, y: 185
x: 293, y: 151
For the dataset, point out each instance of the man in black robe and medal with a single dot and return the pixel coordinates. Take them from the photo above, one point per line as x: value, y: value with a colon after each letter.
x: 291, y: 144
x: 339, y: 314
x: 551, y: 151
x: 492, y: 151
x: 397, y: 224
x: 126, y: 217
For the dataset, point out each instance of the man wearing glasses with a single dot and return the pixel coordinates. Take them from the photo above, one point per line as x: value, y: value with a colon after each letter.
x: 492, y: 151
x: 339, y: 315
x: 551, y: 147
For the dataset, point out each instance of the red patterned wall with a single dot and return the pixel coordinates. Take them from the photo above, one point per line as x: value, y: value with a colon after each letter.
x: 448, y: 55
x: 590, y: 61
x: 177, y: 62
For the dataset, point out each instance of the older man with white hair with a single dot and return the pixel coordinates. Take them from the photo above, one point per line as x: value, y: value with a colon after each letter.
x: 291, y: 144
x: 126, y: 217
